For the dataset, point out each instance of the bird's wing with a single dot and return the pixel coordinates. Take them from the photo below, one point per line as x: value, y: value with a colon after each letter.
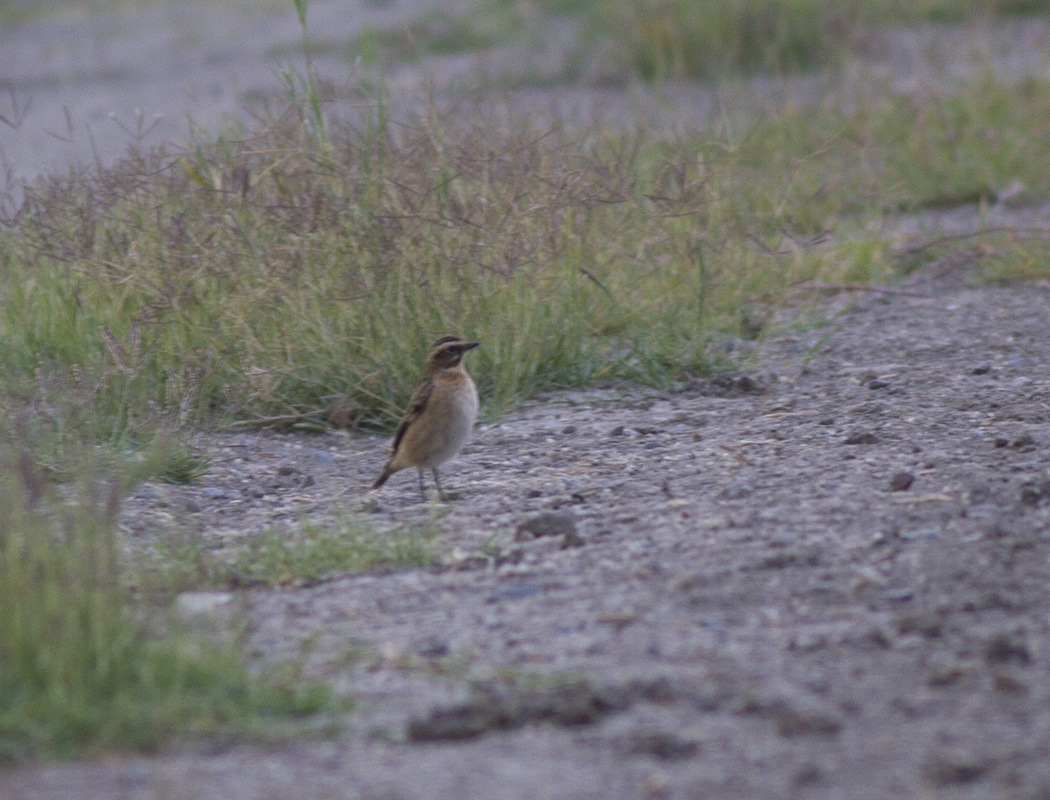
x: 415, y: 409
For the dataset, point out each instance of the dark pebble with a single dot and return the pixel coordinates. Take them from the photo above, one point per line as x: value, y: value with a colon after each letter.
x: 738, y: 490
x: 1007, y: 648
x: 664, y: 746
x: 1023, y: 442
x: 946, y: 771
x: 861, y: 437
x: 572, y: 539
x: 945, y: 675
x: 901, y: 481
x: 807, y: 775
x: 792, y: 722
x: 983, y: 368
x: 547, y: 523
x: 617, y: 431
x: 929, y: 626
x: 1010, y: 685
x: 878, y: 383
x: 1032, y: 493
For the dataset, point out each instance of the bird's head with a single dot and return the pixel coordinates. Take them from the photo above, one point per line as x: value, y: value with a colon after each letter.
x: 447, y: 352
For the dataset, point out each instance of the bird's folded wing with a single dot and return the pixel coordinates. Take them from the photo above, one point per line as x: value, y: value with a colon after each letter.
x: 415, y: 409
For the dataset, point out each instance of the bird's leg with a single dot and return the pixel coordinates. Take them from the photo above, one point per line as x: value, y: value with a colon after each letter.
x: 423, y: 486
x: 437, y: 482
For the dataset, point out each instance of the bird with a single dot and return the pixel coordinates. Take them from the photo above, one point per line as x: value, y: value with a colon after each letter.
x: 440, y: 416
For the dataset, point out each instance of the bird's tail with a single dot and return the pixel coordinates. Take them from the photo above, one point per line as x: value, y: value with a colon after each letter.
x: 387, y: 472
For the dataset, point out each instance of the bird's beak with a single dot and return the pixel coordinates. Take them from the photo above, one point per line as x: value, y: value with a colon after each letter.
x: 469, y: 346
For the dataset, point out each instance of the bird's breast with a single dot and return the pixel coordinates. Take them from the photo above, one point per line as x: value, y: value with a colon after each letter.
x: 453, y: 408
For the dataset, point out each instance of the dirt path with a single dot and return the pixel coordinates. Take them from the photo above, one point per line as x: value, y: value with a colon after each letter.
x: 829, y: 579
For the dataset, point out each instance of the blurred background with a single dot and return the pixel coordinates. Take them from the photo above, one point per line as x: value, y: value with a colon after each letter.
x: 83, y: 79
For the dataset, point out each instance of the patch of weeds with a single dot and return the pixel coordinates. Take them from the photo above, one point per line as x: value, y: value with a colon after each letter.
x: 433, y: 34
x: 175, y: 462
x: 661, y: 40
x: 176, y: 562
x: 83, y: 668
x: 273, y: 277
x: 317, y: 551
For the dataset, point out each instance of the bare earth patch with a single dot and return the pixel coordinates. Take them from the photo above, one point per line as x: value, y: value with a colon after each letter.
x: 827, y: 579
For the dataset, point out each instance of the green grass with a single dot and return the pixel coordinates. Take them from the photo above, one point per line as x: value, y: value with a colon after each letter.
x: 278, y: 280
x: 705, y: 39
x: 84, y: 668
x: 276, y: 559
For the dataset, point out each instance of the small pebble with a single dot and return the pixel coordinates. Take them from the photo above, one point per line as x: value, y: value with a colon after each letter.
x: 793, y: 722
x: 1007, y: 647
x: 878, y: 383
x: 861, y: 437
x: 571, y: 539
x: 983, y: 368
x: 901, y: 481
x: 547, y: 523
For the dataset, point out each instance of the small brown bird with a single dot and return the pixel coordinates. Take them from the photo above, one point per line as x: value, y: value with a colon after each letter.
x: 440, y: 415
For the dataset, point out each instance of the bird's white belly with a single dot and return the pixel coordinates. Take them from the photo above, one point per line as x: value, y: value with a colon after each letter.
x: 456, y: 432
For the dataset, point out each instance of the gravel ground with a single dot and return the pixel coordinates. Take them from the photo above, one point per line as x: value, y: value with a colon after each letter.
x: 825, y: 578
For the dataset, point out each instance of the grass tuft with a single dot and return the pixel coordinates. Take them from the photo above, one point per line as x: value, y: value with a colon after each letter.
x: 275, y: 280
x: 659, y: 40
x: 81, y: 670
x: 276, y: 559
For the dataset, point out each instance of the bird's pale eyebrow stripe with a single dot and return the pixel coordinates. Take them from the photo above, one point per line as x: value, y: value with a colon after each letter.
x: 447, y: 343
